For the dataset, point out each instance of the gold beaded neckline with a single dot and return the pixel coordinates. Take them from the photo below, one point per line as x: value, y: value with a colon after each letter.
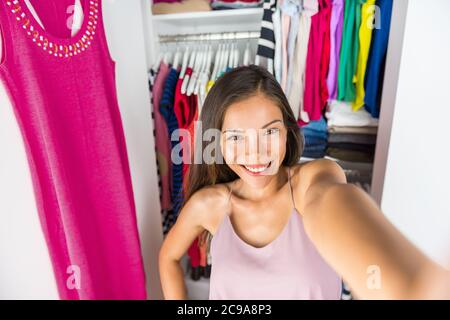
x: 61, y: 48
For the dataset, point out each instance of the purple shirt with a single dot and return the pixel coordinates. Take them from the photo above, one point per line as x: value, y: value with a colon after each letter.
x: 337, y: 18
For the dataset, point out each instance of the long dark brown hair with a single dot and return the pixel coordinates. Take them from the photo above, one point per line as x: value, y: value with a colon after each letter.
x: 235, y: 86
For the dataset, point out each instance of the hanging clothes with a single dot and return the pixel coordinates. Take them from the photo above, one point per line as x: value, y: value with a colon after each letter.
x: 326, y: 53
x: 365, y: 38
x: 166, y: 108
x: 349, y: 50
x: 285, y: 25
x: 184, y: 108
x: 377, y: 57
x: 266, y: 43
x: 292, y: 8
x: 296, y: 95
x: 64, y: 96
x: 317, y: 63
x: 336, y: 22
x: 277, y: 30
x: 162, y: 141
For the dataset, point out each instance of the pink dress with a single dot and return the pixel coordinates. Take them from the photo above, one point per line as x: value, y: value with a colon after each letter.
x: 64, y: 97
x: 287, y: 268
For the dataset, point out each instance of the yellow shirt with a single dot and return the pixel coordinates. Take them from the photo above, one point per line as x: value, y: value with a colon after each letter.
x: 209, y: 85
x: 365, y: 37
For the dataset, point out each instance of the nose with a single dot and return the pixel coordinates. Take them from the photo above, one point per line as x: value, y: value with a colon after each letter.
x: 257, y: 148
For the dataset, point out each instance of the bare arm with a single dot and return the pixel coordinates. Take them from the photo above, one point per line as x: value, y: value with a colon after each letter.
x: 355, y: 238
x: 194, y: 215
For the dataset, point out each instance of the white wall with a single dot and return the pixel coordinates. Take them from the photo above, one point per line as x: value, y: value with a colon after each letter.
x: 416, y: 190
x: 25, y: 269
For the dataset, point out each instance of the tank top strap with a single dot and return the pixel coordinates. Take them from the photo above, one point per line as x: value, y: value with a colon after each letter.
x: 102, y: 32
x: 9, y: 33
x: 290, y: 188
x: 230, y: 192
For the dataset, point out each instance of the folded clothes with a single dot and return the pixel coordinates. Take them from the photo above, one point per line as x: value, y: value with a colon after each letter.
x: 318, y: 148
x: 317, y: 126
x: 312, y: 140
x: 350, y: 155
x: 353, y: 130
x: 315, y: 129
x: 352, y: 138
x: 234, y: 1
x: 165, y: 1
x: 368, y: 148
x: 181, y: 6
x: 232, y: 4
x: 316, y: 134
x: 313, y: 154
x: 340, y: 113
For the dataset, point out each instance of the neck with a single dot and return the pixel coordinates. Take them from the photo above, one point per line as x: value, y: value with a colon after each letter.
x: 276, y: 182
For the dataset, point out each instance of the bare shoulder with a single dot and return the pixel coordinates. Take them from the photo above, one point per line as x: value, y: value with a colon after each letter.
x: 208, y: 205
x: 314, y: 172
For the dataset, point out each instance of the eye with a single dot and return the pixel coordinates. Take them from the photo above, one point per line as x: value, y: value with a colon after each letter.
x: 271, y: 131
x: 234, y: 138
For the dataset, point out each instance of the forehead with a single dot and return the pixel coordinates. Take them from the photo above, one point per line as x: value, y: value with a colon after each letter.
x: 251, y: 113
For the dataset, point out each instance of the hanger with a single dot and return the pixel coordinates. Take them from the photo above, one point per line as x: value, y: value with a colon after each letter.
x: 216, y: 63
x: 202, y: 70
x: 195, y: 73
x: 167, y: 56
x: 184, y: 62
x: 236, y: 56
x: 186, y: 78
x: 223, y: 61
x: 157, y: 62
x: 204, y: 74
x: 227, y: 57
x: 176, y: 59
x: 231, y: 53
x: 246, y: 54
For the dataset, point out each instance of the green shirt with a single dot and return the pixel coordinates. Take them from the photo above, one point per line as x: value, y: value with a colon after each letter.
x: 349, y: 50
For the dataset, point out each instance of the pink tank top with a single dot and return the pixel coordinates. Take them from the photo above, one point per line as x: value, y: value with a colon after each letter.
x: 63, y: 93
x: 289, y: 267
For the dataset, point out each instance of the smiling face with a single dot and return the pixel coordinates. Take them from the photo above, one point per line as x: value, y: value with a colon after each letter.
x: 253, y: 139
x: 258, y: 131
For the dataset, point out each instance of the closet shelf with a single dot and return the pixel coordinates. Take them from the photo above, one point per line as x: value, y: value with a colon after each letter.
x: 208, y: 21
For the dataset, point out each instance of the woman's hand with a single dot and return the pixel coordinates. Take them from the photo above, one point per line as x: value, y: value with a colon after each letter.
x: 355, y: 238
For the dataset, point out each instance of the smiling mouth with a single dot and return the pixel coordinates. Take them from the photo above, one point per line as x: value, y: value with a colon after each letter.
x: 256, y: 169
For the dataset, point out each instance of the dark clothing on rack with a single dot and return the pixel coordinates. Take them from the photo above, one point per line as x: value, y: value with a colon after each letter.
x: 167, y: 110
x: 352, y: 138
x: 375, y: 65
x: 266, y: 44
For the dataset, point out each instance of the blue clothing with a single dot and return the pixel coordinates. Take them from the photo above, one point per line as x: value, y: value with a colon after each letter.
x: 167, y: 111
x: 377, y: 57
x: 314, y: 141
x: 314, y: 154
x: 318, y: 129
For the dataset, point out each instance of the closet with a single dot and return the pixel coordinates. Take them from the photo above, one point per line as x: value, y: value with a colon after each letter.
x: 397, y: 176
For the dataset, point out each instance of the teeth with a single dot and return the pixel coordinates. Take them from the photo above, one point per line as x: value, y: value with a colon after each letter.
x: 256, y: 170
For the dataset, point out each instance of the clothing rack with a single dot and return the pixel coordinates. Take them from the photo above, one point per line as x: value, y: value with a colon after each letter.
x: 243, y: 35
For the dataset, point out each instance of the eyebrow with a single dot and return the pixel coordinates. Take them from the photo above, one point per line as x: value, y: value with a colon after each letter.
x: 263, y: 127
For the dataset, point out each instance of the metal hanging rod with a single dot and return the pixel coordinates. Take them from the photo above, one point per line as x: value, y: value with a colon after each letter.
x: 210, y: 36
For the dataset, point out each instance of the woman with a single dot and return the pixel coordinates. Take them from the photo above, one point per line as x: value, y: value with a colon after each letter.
x: 281, y: 230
